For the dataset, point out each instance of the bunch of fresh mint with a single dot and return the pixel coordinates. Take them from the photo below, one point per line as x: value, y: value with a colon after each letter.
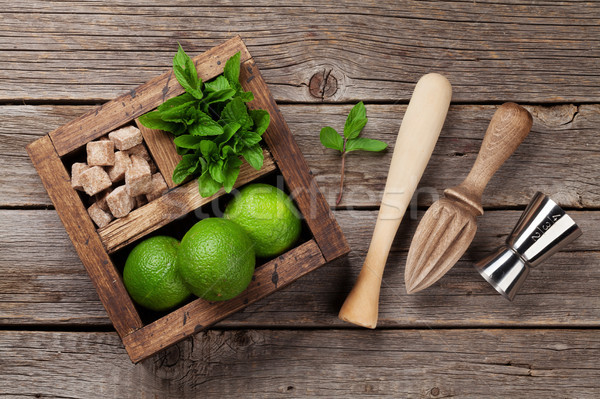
x: 212, y: 124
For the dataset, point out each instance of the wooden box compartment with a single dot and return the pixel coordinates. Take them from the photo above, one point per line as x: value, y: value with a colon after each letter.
x: 100, y: 250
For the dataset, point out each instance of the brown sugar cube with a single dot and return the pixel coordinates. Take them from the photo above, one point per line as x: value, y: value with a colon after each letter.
x: 117, y: 171
x: 99, y: 215
x: 140, y: 201
x: 158, y: 187
x: 138, y: 178
x: 126, y: 137
x: 119, y: 202
x: 94, y: 180
x: 139, y: 150
x: 101, y: 199
x: 100, y: 153
x: 76, y: 170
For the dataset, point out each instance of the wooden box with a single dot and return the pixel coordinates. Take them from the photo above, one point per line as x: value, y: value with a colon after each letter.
x: 97, y: 247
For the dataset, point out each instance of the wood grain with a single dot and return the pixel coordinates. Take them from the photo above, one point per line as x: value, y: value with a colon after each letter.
x: 83, y: 235
x: 140, y: 100
x: 49, y: 286
x: 346, y: 51
x: 161, y: 146
x: 200, y: 314
x: 170, y: 206
x: 323, y: 363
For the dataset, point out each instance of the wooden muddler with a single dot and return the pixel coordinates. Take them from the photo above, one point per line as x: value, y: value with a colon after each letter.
x: 416, y: 139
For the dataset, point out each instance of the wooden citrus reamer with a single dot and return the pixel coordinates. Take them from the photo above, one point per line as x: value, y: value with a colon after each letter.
x: 417, y: 136
x: 449, y: 225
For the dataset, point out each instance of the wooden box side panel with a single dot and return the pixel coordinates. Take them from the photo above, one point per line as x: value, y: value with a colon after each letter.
x: 200, y: 314
x: 83, y: 234
x: 140, y: 100
x: 294, y: 169
x: 161, y: 146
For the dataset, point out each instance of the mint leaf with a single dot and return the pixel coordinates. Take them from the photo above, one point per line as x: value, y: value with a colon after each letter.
x: 356, y: 121
x: 231, y: 71
x: 186, y: 74
x: 236, y: 111
x: 183, y: 99
x: 217, y: 84
x: 184, y: 168
x: 361, y: 143
x: 205, y: 125
x: 218, y: 96
x: 254, y: 156
x: 153, y: 120
x: 207, y: 185
x: 188, y: 141
x: 231, y: 170
x: 330, y: 138
x: 245, y: 96
x: 208, y: 148
x: 261, y: 119
x: 178, y: 113
x: 216, y: 171
x: 228, y: 131
x: 249, y: 138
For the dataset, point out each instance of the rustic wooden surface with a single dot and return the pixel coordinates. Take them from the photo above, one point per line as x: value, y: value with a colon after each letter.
x: 458, y: 338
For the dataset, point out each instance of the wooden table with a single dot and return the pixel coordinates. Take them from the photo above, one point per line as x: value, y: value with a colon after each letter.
x: 458, y: 338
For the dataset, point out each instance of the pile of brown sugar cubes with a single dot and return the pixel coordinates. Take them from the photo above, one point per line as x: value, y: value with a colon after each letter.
x: 119, y: 158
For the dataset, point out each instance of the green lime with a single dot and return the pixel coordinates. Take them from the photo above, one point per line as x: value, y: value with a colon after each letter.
x: 150, y: 274
x: 269, y: 217
x: 216, y: 259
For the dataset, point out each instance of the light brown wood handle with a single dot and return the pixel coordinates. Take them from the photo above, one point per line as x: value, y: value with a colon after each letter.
x: 508, y: 128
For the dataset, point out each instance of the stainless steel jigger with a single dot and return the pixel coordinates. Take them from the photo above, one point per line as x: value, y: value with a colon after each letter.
x: 543, y: 229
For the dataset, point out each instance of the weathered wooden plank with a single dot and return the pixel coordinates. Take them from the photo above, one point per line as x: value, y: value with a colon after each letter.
x: 161, y: 146
x: 309, y: 51
x: 49, y: 285
x: 561, y: 136
x: 82, y: 233
x: 308, y: 363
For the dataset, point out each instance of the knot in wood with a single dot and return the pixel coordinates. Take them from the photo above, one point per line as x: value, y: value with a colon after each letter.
x: 435, y: 391
x: 323, y: 84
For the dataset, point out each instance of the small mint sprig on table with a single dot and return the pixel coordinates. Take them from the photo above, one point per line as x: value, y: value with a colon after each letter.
x: 212, y: 125
x: 356, y: 121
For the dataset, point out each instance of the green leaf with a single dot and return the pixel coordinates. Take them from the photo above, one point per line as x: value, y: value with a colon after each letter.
x: 361, y: 143
x: 216, y: 171
x: 207, y: 186
x: 330, y: 138
x: 153, y: 120
x: 261, y: 120
x: 208, y: 148
x: 249, y: 138
x: 184, y: 168
x: 245, y: 96
x: 231, y: 170
x: 254, y: 156
x: 186, y: 74
x: 217, y: 84
x: 205, y: 125
x: 218, y: 96
x: 232, y: 69
x: 183, y: 99
x: 228, y: 131
x: 188, y: 141
x: 182, y: 151
x: 179, y: 113
x: 236, y: 111
x: 356, y: 121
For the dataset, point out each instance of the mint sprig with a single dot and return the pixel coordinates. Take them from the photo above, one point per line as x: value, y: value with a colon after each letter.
x: 212, y: 125
x: 355, y: 122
